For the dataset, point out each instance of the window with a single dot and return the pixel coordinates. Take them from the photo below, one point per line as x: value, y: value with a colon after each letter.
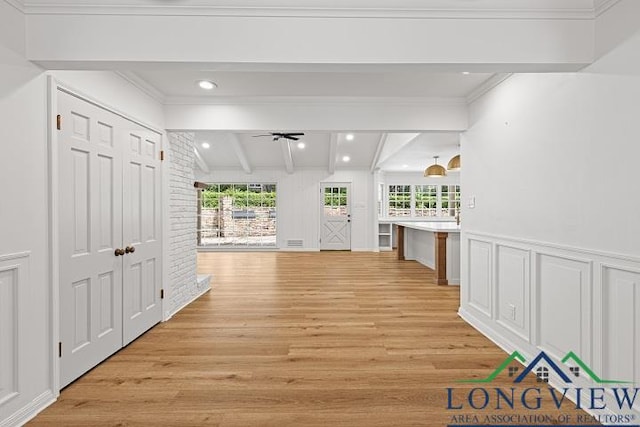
x: 399, y: 200
x: 237, y: 215
x: 426, y: 200
x: 450, y: 200
x: 335, y: 201
x: 423, y: 201
x: 543, y: 374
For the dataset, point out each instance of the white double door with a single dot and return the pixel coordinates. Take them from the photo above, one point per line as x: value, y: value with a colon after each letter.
x: 109, y: 233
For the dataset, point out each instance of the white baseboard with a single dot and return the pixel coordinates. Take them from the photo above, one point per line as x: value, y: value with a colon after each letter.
x: 198, y: 295
x: 29, y: 411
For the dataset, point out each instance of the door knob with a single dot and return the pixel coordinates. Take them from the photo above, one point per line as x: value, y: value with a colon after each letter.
x: 130, y: 249
x: 119, y: 252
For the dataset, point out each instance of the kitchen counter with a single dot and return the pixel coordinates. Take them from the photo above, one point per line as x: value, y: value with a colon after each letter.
x: 433, y: 244
x: 446, y: 226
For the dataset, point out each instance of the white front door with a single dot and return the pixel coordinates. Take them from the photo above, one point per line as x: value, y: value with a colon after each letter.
x: 335, y: 221
x: 110, y: 233
x: 90, y: 227
x: 141, y: 231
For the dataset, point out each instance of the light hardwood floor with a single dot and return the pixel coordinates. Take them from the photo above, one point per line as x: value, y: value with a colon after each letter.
x: 293, y: 339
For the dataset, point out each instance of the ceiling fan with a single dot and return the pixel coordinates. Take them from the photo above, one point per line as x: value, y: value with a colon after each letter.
x: 279, y: 135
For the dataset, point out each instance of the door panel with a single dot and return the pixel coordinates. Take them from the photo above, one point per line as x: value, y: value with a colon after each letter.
x: 90, y: 188
x: 110, y: 197
x: 335, y: 227
x: 142, y: 196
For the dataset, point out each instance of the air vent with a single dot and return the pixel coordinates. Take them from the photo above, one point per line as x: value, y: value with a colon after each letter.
x: 294, y: 243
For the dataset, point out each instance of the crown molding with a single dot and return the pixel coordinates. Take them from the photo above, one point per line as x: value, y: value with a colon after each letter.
x: 315, y: 100
x: 312, y: 12
x: 601, y: 6
x: 144, y: 86
x: 487, y: 86
x: 17, y: 4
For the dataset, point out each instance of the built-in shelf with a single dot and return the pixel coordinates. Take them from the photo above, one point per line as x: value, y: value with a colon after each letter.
x: 385, y: 236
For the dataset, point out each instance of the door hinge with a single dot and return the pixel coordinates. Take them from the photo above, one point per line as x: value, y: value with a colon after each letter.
x: 161, y: 155
x: 161, y: 293
x: 60, y: 349
x: 58, y: 122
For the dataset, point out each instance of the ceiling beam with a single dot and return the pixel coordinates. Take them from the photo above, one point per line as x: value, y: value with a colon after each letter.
x: 74, y: 34
x: 376, y: 157
x: 202, y: 164
x: 286, y: 153
x: 240, y: 154
x: 333, y: 153
x: 394, y: 143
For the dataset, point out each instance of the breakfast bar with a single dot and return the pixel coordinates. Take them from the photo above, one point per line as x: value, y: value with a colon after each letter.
x: 433, y: 244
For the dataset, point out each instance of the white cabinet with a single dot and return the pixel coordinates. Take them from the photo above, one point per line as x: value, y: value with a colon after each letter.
x: 385, y: 236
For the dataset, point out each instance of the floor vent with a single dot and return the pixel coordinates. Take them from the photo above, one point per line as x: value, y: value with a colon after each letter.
x: 294, y: 243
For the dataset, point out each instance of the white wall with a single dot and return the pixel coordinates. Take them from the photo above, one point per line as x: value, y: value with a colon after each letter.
x: 25, y: 276
x: 551, y: 258
x: 298, y: 202
x: 24, y: 280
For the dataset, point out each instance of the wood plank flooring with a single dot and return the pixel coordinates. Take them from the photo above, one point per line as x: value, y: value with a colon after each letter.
x: 293, y: 339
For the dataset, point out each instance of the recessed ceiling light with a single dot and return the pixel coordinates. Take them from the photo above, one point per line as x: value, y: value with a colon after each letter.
x: 466, y: 73
x: 206, y: 145
x: 207, y: 84
x: 349, y: 137
x: 301, y: 145
x: 405, y: 166
x: 346, y: 159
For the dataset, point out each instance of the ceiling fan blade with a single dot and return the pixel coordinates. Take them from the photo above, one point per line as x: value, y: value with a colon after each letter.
x: 294, y: 134
x: 291, y: 137
x: 256, y: 136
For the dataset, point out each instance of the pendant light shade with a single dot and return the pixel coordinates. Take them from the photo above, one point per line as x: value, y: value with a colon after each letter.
x: 454, y: 164
x: 435, y: 170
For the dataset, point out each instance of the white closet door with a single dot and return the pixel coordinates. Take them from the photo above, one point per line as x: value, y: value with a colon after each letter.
x: 90, y: 227
x: 142, y: 228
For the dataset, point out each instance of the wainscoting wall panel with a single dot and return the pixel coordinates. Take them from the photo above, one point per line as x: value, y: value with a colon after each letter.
x: 557, y: 299
x: 8, y: 332
x: 13, y: 283
x: 512, y: 282
x: 563, y: 312
x: 620, y: 329
x: 480, y: 276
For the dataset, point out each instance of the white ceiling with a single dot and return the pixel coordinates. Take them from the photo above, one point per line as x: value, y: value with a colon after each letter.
x: 413, y: 154
x: 418, y: 153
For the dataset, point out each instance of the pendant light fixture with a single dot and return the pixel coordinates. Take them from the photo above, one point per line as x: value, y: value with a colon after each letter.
x: 454, y: 164
x: 435, y: 170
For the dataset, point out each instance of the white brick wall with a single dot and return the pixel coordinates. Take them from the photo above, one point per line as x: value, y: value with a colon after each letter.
x: 182, y: 219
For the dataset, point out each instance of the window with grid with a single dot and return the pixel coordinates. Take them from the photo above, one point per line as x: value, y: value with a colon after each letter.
x: 426, y: 200
x: 543, y: 374
x: 335, y: 201
x: 399, y: 200
x: 450, y: 200
x: 237, y: 215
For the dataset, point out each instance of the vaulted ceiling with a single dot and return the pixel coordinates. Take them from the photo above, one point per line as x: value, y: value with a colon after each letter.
x: 397, y: 152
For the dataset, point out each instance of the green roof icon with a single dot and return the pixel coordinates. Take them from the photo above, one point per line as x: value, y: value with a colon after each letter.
x: 573, y: 357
